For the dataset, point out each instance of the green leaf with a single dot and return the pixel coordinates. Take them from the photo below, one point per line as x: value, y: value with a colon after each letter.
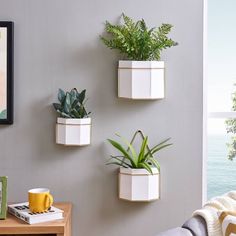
x: 164, y: 141
x: 121, y: 161
x: 123, y: 151
x: 75, y: 103
x: 67, y: 104
x: 145, y: 166
x: 131, y: 148
x: 82, y: 96
x: 159, y: 148
x: 61, y: 95
x: 63, y: 114
x: 76, y: 113
x: 73, y: 96
x: 154, y: 162
x: 143, y: 149
x: 57, y: 106
x: 114, y: 163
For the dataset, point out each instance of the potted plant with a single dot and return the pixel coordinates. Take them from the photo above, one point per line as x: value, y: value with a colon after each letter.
x: 141, y: 76
x: 73, y: 124
x: 139, y: 174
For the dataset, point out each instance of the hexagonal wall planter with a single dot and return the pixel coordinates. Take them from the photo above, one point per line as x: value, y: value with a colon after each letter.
x: 141, y: 79
x: 73, y: 132
x: 139, y: 184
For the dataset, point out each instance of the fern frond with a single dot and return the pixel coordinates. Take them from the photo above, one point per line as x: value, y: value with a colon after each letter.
x: 136, y: 41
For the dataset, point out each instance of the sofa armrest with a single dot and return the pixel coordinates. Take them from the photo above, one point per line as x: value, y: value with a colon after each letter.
x: 196, y: 225
x: 176, y: 232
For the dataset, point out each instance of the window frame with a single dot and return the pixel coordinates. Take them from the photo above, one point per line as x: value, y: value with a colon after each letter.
x: 206, y: 113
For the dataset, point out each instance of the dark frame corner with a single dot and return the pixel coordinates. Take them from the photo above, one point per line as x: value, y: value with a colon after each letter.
x: 10, y: 71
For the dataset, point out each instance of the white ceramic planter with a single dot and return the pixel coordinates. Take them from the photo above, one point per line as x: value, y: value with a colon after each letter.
x: 139, y: 184
x: 74, y: 132
x: 141, y: 79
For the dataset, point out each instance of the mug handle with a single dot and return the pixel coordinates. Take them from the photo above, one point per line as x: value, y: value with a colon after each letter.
x: 49, y: 201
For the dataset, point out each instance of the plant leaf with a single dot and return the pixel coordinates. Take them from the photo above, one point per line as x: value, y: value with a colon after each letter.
x: 61, y: 95
x: 75, y: 113
x: 63, y: 114
x: 82, y: 96
x: 143, y: 149
x: 131, y: 148
x: 114, y: 163
x: 67, y: 104
x: 159, y: 148
x: 145, y: 166
x: 154, y: 162
x: 73, y: 96
x: 123, y: 151
x: 122, y: 161
x: 57, y: 106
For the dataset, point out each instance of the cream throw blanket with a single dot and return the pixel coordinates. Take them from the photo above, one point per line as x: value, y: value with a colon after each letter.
x: 209, y: 212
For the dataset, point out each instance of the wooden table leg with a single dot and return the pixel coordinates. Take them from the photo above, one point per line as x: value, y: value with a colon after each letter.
x: 68, y: 227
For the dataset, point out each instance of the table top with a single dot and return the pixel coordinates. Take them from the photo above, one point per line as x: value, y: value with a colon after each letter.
x: 13, y: 225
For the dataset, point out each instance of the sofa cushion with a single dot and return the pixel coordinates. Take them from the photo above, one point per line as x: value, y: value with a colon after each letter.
x: 196, y: 225
x: 176, y: 232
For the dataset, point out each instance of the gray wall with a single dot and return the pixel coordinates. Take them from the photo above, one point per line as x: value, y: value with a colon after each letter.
x: 57, y: 45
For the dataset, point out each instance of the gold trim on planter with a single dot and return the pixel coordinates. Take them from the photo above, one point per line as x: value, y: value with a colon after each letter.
x: 125, y: 98
x: 73, y: 124
x: 138, y: 174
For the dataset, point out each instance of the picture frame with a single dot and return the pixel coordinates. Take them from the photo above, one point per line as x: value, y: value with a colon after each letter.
x: 6, y: 71
x: 3, y: 197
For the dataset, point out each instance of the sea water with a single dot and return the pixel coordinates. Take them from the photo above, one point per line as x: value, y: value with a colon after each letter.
x: 221, y: 172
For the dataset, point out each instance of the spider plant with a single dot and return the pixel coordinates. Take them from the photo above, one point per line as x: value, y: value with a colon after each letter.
x: 130, y: 158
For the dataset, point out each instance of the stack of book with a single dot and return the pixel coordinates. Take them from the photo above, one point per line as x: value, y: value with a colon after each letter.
x: 21, y: 211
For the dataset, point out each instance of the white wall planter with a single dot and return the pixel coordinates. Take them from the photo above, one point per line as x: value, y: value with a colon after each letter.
x: 141, y: 79
x: 73, y: 132
x: 139, y: 184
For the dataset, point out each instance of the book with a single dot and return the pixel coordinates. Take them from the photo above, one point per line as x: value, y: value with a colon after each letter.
x: 3, y: 197
x: 21, y: 211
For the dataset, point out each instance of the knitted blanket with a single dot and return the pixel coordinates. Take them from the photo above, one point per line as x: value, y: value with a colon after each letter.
x: 209, y: 212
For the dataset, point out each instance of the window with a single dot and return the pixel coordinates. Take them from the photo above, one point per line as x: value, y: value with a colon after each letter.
x: 221, y: 76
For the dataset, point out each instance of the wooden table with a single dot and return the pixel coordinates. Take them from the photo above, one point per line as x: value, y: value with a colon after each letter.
x: 14, y: 226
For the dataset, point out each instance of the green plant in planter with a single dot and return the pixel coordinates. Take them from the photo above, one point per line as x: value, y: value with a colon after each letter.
x: 71, y: 104
x: 130, y: 158
x: 231, y: 128
x: 136, y: 41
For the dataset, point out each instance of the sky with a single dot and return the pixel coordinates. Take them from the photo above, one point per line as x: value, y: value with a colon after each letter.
x: 221, y: 59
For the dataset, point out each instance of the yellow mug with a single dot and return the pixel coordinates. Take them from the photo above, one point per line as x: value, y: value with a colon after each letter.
x: 40, y: 199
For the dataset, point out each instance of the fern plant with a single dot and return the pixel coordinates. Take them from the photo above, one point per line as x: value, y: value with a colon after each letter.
x: 136, y: 41
x: 72, y: 104
x: 130, y: 158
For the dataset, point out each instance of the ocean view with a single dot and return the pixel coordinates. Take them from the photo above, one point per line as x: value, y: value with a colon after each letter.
x: 221, y: 173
